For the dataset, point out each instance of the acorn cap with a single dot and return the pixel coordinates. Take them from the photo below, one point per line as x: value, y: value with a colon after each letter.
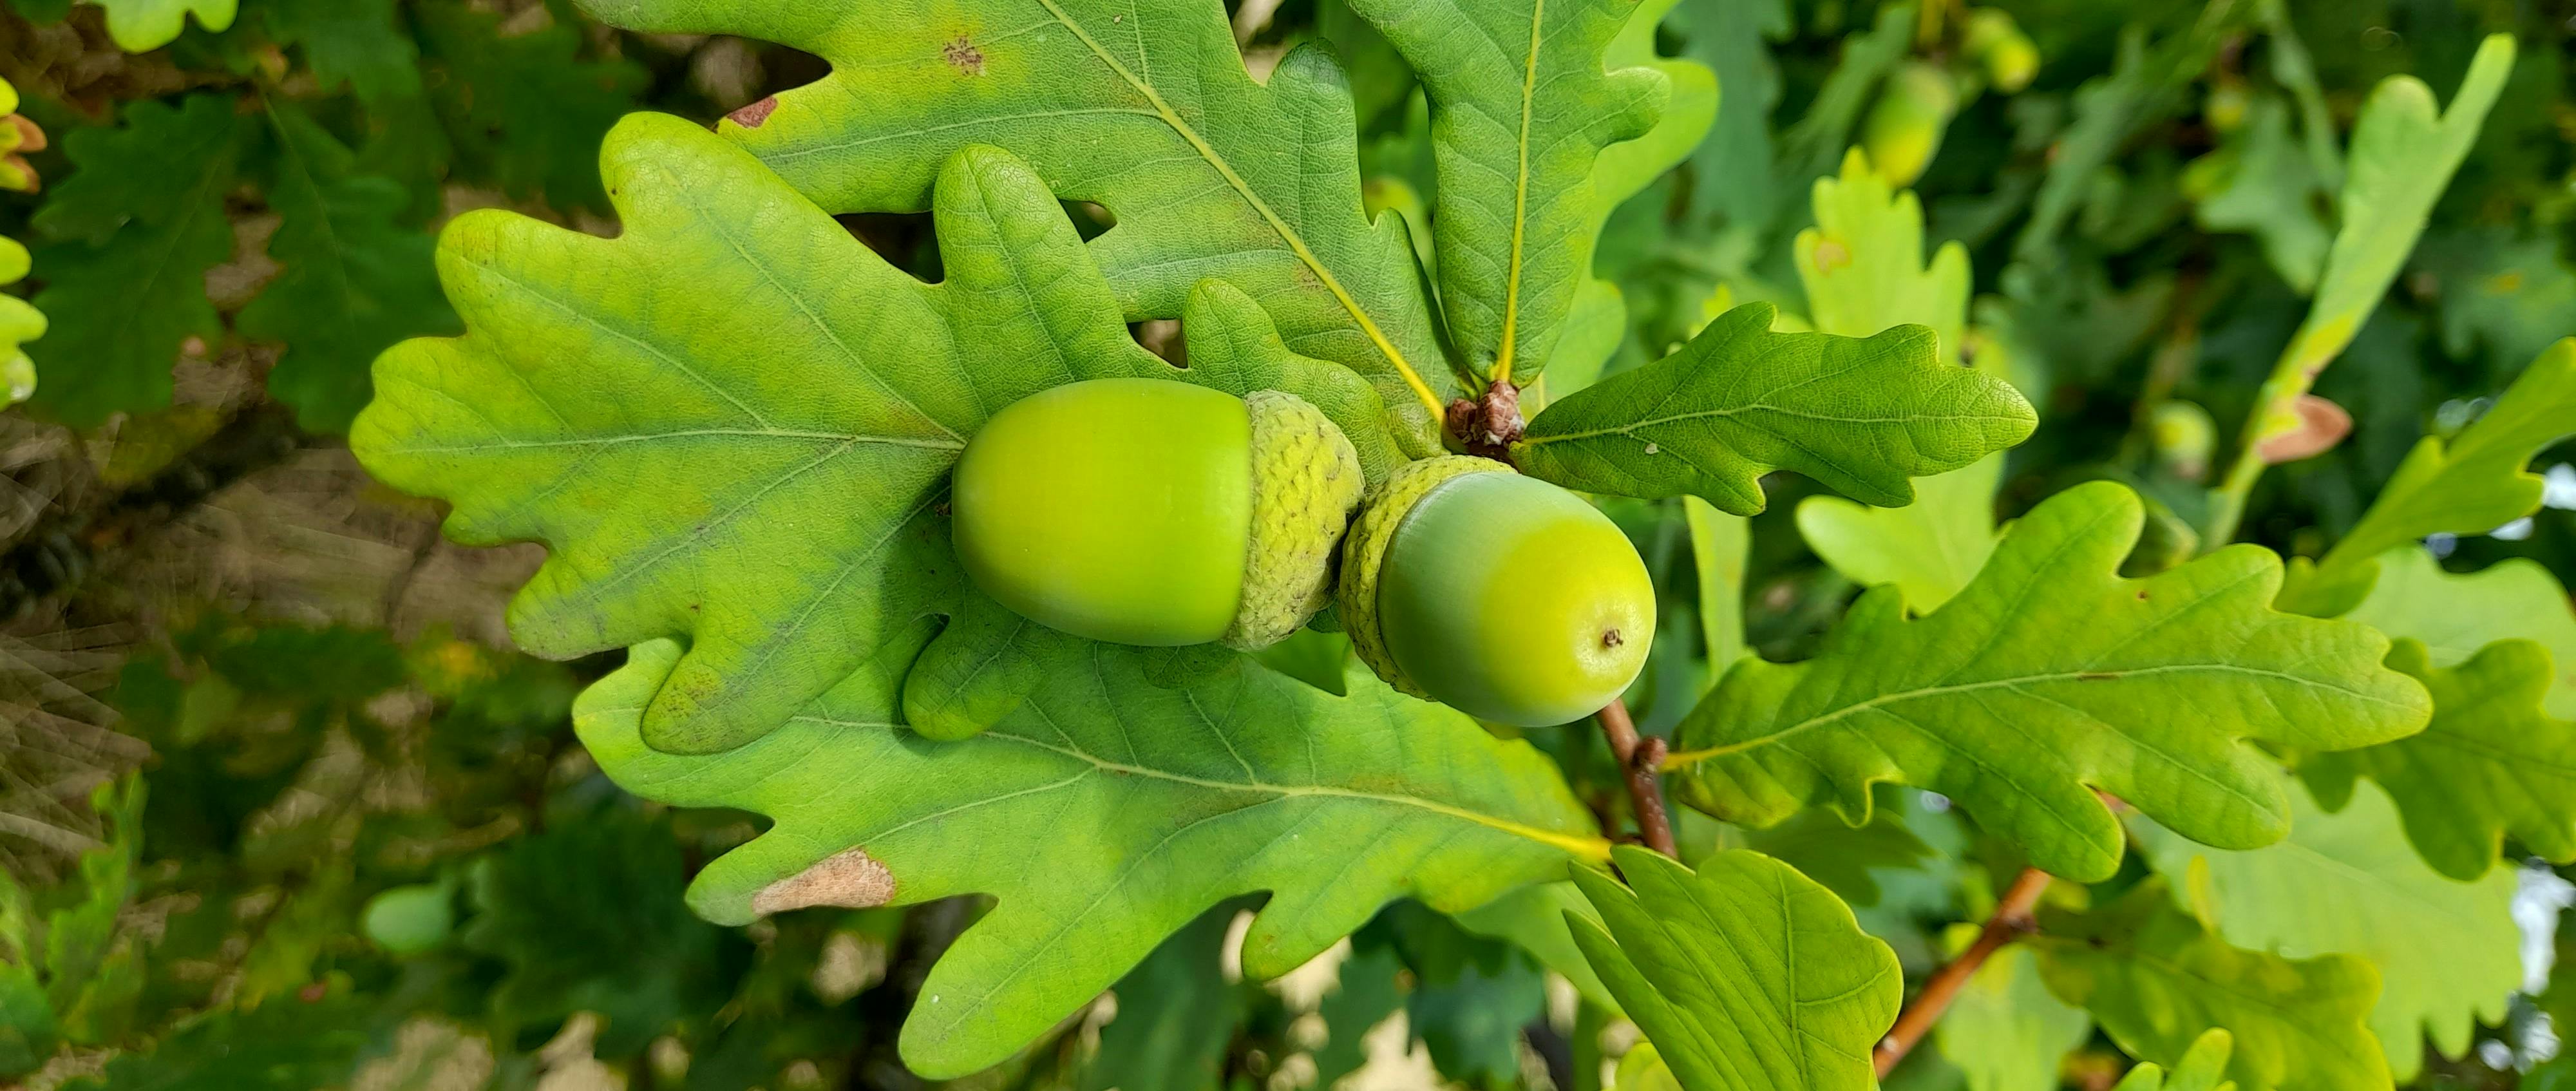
x: 1364, y: 555
x: 1306, y: 481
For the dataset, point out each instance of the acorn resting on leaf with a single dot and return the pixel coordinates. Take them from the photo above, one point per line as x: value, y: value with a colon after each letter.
x: 1154, y: 512
x: 1503, y: 596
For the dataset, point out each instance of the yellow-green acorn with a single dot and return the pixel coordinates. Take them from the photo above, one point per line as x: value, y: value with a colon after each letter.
x: 1503, y: 596
x: 1154, y: 512
x: 1904, y: 128
x: 1994, y: 40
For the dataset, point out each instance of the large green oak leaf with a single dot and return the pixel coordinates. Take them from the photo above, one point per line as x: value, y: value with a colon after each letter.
x: 2050, y: 676
x: 2158, y: 981
x: 2492, y: 763
x: 1104, y: 813
x: 2448, y: 953
x: 1143, y: 107
x: 1745, y: 974
x: 1739, y: 400
x: 1522, y: 104
x: 732, y: 425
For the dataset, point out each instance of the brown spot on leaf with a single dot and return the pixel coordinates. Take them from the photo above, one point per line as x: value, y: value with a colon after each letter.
x: 963, y: 56
x: 849, y: 878
x: 2098, y: 676
x: 756, y: 114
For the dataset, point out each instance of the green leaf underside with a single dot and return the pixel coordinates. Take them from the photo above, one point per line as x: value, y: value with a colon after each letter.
x: 732, y: 423
x: 1104, y: 814
x: 354, y: 280
x: 137, y: 226
x: 2491, y: 764
x: 1746, y: 975
x: 1145, y: 108
x: 2448, y: 953
x: 1738, y: 401
x: 2047, y: 677
x: 2454, y: 615
x: 2005, y: 1031
x: 1522, y: 105
x: 2203, y: 1068
x: 2157, y: 981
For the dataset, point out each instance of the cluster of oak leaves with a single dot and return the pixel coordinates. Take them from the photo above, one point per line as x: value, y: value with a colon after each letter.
x: 731, y: 425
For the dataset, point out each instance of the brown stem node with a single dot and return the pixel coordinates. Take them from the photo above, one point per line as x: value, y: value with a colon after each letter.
x: 1639, y: 762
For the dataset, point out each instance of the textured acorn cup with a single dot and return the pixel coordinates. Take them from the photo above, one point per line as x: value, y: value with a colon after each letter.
x: 1502, y: 596
x: 1157, y: 513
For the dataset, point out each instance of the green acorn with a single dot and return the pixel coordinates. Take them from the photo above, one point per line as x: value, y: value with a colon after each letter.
x: 407, y: 920
x: 1904, y: 128
x: 1500, y: 595
x: 1995, y: 41
x: 1156, y: 513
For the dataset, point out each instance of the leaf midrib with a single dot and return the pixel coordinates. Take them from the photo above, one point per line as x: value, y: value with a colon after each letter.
x: 1296, y: 243
x: 1685, y: 758
x: 2176, y: 970
x: 1520, y: 200
x: 1633, y: 427
x: 1589, y: 848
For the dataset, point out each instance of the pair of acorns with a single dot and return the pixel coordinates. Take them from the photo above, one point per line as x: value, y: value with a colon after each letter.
x: 1158, y: 513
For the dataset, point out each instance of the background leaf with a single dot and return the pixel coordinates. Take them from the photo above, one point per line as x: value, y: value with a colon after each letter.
x: 1863, y: 269
x: 2157, y: 981
x: 2048, y: 677
x: 355, y: 280
x: 2490, y: 764
x: 2469, y: 485
x: 2455, y: 614
x: 2345, y: 883
x: 2006, y: 1031
x: 134, y: 231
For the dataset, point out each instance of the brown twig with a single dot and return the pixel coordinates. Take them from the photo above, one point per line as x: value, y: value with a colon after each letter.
x: 1639, y: 759
x: 2012, y: 920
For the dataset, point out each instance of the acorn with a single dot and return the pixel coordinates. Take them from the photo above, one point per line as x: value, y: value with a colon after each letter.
x: 1156, y: 513
x: 1905, y: 126
x: 407, y: 920
x: 1996, y: 42
x: 1503, y: 596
